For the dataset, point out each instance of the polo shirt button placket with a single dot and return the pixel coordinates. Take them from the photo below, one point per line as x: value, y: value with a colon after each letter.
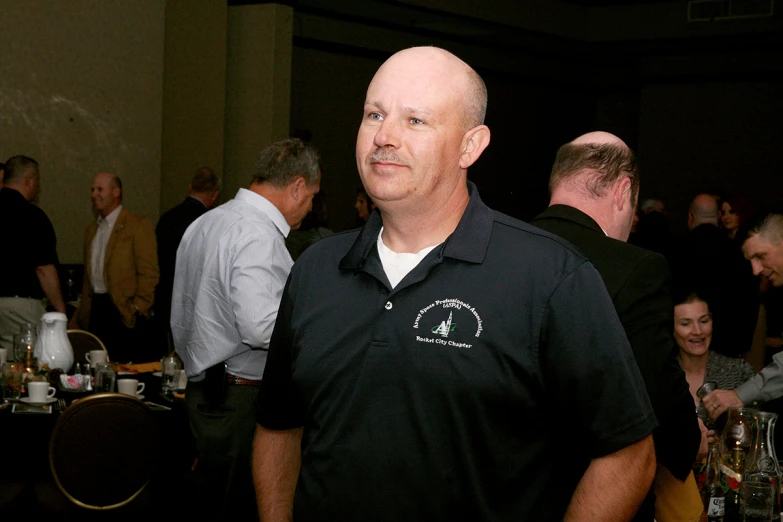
x: 388, y: 305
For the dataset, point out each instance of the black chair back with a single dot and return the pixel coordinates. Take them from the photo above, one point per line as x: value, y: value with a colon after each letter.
x: 104, y: 450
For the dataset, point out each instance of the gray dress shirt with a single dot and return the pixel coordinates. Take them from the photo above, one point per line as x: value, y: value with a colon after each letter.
x: 232, y: 265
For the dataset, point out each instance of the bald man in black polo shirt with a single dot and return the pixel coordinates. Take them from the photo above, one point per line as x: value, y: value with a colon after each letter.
x: 28, y: 265
x: 446, y: 362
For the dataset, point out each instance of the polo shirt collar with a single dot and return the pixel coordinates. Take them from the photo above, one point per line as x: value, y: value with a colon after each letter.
x: 468, y: 242
x: 264, y: 205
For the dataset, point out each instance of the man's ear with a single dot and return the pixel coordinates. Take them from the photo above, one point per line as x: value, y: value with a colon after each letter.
x: 622, y: 193
x: 296, y: 188
x: 473, y: 144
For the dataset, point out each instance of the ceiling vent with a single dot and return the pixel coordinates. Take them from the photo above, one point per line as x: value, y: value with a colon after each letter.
x: 710, y: 10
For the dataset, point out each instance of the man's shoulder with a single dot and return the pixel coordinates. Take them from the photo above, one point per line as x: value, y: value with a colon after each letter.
x: 184, y: 212
x: 131, y: 218
x: 514, y: 233
x: 335, y: 246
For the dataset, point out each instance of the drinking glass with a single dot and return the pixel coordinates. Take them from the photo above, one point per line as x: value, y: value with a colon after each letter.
x: 24, y: 342
x: 170, y: 367
x: 12, y: 381
x: 105, y: 375
x: 757, y: 501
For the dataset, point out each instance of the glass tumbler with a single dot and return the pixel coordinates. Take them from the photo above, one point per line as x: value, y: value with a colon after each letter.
x: 105, y: 376
x: 12, y: 381
x: 170, y: 367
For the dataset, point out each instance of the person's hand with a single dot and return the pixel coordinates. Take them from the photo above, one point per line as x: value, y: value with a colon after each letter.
x: 712, y: 438
x: 704, y: 445
x: 719, y: 401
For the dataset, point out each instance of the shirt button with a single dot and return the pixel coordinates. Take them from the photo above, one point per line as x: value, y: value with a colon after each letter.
x: 388, y: 305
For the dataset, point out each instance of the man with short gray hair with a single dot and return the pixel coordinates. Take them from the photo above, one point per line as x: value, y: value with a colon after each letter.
x: 764, y: 249
x: 232, y: 265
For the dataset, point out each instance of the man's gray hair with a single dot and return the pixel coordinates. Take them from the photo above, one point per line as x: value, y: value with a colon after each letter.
x: 284, y: 161
x: 205, y: 180
x: 17, y: 167
x: 603, y: 164
x: 769, y: 227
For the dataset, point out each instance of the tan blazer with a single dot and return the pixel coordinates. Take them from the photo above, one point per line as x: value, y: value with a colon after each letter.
x: 130, y: 268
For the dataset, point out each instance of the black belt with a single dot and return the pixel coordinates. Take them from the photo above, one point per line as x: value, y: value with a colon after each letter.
x: 233, y: 379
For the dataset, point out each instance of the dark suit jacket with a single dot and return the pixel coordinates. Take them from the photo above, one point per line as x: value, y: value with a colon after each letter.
x: 169, y: 231
x: 638, y: 282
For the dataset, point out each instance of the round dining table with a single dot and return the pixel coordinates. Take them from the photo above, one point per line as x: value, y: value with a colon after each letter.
x: 25, y: 437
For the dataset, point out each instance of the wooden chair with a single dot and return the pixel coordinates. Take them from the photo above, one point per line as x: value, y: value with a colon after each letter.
x: 104, y: 450
x: 82, y: 343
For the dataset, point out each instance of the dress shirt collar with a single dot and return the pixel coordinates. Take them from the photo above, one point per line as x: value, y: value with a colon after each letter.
x: 111, y: 219
x: 265, y: 206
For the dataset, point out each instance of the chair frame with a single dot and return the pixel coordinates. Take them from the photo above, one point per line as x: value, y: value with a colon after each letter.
x: 91, y: 398
x: 90, y: 334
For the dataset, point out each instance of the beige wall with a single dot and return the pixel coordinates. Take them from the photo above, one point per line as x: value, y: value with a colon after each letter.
x: 81, y: 92
x: 258, y: 86
x: 194, y: 93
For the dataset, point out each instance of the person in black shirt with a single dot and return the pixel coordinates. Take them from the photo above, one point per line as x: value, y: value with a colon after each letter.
x: 29, y: 261
x: 203, y: 193
x: 422, y: 368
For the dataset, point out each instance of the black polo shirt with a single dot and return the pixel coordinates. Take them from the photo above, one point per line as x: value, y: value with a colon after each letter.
x: 28, y: 241
x: 478, y: 389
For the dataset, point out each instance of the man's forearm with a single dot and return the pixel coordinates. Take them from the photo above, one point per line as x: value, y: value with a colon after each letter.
x: 276, y: 461
x: 50, y: 284
x: 614, y: 486
x: 765, y: 385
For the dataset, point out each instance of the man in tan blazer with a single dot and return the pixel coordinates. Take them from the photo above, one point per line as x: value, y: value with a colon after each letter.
x: 120, y: 275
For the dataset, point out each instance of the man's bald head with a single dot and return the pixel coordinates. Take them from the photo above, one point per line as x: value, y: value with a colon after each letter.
x: 474, y: 97
x: 703, y: 210
x: 594, y: 162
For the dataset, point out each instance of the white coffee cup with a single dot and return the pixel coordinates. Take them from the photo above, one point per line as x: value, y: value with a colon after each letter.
x: 3, y: 356
x: 40, y: 391
x: 95, y: 356
x: 130, y: 387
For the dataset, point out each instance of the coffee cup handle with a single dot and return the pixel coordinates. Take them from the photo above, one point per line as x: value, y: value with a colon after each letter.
x: 89, y: 359
x: 140, y: 388
x: 50, y: 393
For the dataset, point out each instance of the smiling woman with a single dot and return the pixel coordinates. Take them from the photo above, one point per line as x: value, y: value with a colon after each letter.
x: 693, y: 334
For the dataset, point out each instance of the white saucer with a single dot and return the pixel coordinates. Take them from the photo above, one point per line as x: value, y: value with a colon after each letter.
x: 157, y: 374
x: 27, y: 400
x: 140, y: 397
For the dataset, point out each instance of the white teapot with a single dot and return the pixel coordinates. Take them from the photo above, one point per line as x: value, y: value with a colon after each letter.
x: 53, y: 347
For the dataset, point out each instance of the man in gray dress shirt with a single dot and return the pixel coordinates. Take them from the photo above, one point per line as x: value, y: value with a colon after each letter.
x: 232, y: 265
x: 764, y: 249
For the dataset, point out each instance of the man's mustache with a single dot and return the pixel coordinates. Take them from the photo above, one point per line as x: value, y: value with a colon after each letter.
x: 385, y: 156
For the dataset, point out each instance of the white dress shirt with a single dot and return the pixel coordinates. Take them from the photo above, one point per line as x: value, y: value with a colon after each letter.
x: 98, y: 250
x: 231, y: 268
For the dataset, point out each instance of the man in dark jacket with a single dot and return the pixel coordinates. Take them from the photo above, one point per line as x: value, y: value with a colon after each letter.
x: 203, y: 193
x: 594, y: 187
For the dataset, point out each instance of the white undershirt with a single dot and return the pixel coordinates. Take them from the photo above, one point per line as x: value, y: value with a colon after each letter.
x: 398, y: 265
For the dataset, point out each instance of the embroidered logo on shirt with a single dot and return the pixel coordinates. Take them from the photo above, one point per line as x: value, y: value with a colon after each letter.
x: 443, y: 325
